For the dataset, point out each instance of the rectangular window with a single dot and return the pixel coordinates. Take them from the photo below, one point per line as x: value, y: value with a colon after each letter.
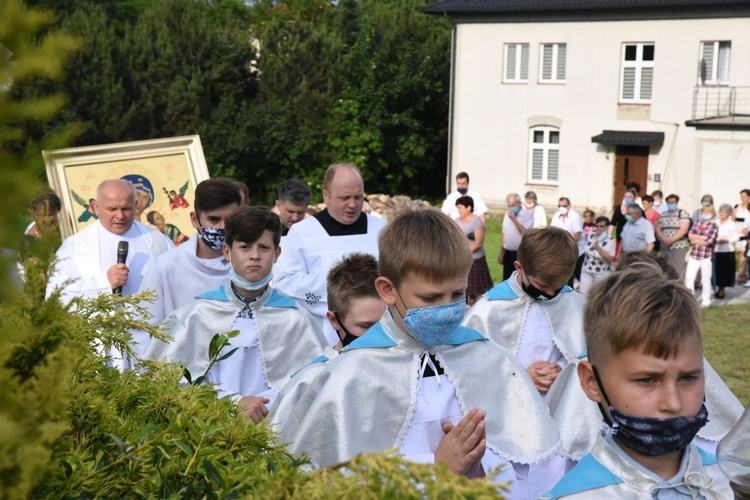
x: 637, y: 73
x: 544, y: 155
x: 552, y: 62
x: 516, y: 62
x: 714, y: 63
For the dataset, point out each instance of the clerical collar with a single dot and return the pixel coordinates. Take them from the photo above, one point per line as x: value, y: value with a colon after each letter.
x: 335, y: 228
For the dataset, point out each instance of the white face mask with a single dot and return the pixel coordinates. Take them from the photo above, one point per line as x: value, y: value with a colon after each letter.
x: 249, y: 286
x: 563, y: 210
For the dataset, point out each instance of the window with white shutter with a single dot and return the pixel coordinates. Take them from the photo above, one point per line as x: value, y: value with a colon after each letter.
x: 516, y: 62
x: 637, y: 80
x: 714, y: 63
x: 552, y: 62
x: 544, y: 155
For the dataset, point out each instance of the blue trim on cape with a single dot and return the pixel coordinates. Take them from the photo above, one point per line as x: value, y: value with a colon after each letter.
x: 588, y: 474
x: 464, y: 335
x: 377, y: 337
x: 319, y: 359
x: 374, y: 337
x: 215, y: 294
x: 503, y: 291
x: 707, y: 458
x: 277, y: 299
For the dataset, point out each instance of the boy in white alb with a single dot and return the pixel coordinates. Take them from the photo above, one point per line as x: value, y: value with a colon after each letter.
x: 198, y: 265
x: 276, y: 337
x: 354, y: 307
x: 419, y: 382
x: 645, y: 369
x: 533, y: 313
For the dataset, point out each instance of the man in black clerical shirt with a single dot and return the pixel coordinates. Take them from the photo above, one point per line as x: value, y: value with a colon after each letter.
x: 315, y: 244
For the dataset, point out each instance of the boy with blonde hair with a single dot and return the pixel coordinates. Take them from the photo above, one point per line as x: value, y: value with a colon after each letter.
x: 579, y: 420
x: 645, y: 370
x: 419, y: 382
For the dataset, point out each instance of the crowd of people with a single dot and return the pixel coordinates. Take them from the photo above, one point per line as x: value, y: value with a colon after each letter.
x: 704, y: 248
x: 354, y: 334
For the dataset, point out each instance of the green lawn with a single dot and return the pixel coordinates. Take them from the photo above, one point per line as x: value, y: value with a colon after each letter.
x: 492, y: 240
x: 726, y: 332
x: 726, y: 328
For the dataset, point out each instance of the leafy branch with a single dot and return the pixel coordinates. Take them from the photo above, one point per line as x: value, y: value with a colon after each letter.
x: 215, y: 348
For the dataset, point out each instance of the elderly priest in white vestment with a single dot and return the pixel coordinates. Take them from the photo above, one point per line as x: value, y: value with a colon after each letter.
x: 315, y: 244
x: 86, y: 263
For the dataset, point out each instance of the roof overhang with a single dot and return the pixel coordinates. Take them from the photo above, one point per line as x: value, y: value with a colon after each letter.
x: 736, y: 122
x: 629, y: 138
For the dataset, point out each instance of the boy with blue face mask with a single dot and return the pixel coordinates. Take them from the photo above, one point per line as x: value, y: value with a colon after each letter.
x: 276, y: 337
x: 418, y: 381
x: 645, y: 370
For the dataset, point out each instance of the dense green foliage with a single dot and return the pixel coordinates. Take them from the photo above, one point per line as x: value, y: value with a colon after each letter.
x: 70, y: 426
x: 276, y: 89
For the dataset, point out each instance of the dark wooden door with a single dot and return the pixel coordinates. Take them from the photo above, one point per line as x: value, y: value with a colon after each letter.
x: 631, y: 165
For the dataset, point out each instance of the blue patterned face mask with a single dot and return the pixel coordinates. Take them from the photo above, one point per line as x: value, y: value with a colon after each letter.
x: 213, y: 237
x: 515, y: 209
x: 651, y: 436
x: 433, y: 325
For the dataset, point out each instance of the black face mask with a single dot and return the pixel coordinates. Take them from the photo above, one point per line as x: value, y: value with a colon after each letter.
x: 537, y: 294
x: 462, y: 190
x: 348, y: 337
x: 651, y: 436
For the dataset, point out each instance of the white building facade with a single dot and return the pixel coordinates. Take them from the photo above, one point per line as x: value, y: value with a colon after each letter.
x: 577, y: 97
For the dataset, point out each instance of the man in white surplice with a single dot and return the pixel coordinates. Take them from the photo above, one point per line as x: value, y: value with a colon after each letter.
x: 89, y: 258
x: 315, y: 244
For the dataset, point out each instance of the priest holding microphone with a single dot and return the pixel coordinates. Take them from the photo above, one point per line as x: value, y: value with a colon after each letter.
x: 109, y: 255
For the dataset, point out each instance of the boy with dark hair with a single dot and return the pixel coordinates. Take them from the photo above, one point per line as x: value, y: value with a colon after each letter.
x: 645, y: 370
x: 198, y: 264
x: 420, y: 382
x: 276, y: 337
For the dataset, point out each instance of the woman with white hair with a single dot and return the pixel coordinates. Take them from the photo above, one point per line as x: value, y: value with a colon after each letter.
x: 724, y: 250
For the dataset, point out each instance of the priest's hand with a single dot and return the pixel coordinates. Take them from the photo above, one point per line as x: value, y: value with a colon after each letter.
x: 254, y: 408
x: 117, y: 275
x: 543, y: 374
x: 464, y: 444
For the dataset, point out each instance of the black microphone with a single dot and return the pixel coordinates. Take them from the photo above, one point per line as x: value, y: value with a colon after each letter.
x: 122, y: 255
